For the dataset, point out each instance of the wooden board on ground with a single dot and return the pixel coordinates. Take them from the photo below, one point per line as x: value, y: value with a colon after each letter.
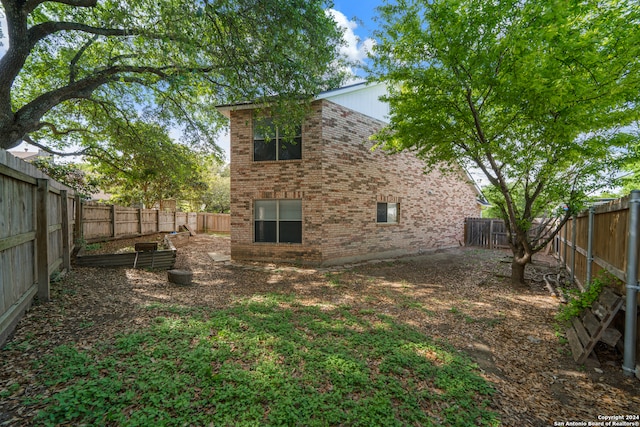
x: 190, y: 229
x: 592, y: 325
x: 146, y: 246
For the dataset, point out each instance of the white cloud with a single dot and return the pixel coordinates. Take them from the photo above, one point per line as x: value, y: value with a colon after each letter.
x: 4, y: 40
x: 355, y: 49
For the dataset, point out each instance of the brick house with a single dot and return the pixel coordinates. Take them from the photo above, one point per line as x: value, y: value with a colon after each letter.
x: 327, y: 198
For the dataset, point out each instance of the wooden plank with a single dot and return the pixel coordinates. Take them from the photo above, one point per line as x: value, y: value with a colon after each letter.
x: 581, y: 332
x: 146, y: 246
x: 113, y: 221
x: 608, y: 299
x: 66, y: 246
x: 20, y: 176
x: 18, y: 239
x: 77, y: 234
x: 574, y: 342
x: 190, y: 229
x: 591, y: 323
x: 606, y: 315
x: 42, y: 239
x: 599, y: 310
x: 611, y: 336
x: 10, y: 317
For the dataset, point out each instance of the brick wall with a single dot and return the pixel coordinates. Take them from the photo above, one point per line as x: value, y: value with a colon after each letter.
x: 340, y: 180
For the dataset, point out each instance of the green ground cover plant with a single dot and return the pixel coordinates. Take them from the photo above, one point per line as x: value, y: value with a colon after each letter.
x: 267, y: 360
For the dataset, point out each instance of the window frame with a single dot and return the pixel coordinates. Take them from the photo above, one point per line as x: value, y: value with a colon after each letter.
x: 386, y: 213
x: 278, y: 220
x: 271, y: 135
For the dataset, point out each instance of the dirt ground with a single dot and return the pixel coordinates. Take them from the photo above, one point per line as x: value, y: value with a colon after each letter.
x: 462, y: 296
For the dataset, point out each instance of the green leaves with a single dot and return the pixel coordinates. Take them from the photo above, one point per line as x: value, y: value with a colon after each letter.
x: 169, y: 62
x: 535, y: 94
x: 267, y: 361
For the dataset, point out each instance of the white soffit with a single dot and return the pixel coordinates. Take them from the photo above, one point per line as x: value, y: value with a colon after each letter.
x: 361, y: 97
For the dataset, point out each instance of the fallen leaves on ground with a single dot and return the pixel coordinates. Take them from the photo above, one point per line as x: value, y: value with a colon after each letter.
x: 462, y: 296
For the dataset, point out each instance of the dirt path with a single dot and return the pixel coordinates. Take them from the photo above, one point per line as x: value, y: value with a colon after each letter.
x: 461, y: 296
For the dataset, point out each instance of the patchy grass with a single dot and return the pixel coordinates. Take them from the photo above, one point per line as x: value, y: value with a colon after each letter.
x: 265, y: 361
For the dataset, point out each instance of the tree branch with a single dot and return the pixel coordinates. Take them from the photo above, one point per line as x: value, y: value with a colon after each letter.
x: 56, y: 131
x: 76, y: 58
x: 30, y: 5
x: 30, y: 140
x: 45, y: 29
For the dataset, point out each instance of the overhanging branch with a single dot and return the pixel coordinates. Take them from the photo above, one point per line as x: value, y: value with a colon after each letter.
x: 30, y: 5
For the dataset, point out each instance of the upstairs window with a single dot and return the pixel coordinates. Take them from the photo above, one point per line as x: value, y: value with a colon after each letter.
x: 271, y: 143
x: 387, y: 213
x: 278, y: 221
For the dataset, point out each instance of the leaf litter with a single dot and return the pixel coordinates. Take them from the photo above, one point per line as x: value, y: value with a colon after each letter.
x: 461, y: 296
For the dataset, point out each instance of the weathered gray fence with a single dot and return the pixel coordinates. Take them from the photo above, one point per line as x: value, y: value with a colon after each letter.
x: 36, y: 236
x: 485, y: 232
x: 42, y: 220
x: 100, y: 222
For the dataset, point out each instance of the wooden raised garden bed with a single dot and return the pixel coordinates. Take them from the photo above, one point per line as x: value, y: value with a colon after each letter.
x: 144, y: 256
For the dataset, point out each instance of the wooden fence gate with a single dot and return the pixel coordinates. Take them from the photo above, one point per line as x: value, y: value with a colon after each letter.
x: 485, y: 232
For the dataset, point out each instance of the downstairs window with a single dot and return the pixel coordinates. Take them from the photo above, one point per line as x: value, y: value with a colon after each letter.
x: 278, y: 221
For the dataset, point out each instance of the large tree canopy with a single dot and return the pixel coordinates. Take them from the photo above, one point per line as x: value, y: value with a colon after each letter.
x: 535, y: 93
x: 149, y: 169
x: 76, y: 70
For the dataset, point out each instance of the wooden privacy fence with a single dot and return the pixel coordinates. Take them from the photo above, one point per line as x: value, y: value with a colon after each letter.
x: 597, y: 240
x: 42, y: 220
x: 608, y: 240
x: 100, y: 222
x: 37, y: 218
x: 485, y: 232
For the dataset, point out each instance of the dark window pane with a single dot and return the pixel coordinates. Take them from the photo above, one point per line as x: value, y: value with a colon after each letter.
x: 290, y: 150
x: 263, y: 128
x: 263, y: 150
x: 382, y: 212
x: 290, y: 232
x: 265, y: 231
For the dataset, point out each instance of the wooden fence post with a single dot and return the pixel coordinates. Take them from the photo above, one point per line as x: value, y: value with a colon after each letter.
x: 574, y: 232
x: 564, y: 246
x: 66, y: 247
x: 78, y: 234
x: 158, y: 220
x: 491, y: 235
x: 140, y: 220
x: 113, y: 220
x: 42, y: 238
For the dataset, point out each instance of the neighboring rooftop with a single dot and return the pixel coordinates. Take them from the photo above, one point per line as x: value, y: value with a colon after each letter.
x: 29, y: 156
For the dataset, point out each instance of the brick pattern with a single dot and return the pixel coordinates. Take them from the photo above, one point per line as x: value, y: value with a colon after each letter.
x: 340, y: 180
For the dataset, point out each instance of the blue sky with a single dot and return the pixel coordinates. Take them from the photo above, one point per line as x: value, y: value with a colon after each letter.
x: 356, y: 18
x: 363, y: 10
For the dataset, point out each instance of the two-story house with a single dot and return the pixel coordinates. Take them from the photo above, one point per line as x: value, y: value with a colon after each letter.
x: 325, y: 197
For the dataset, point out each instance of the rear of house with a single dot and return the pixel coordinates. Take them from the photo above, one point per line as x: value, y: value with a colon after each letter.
x: 328, y: 198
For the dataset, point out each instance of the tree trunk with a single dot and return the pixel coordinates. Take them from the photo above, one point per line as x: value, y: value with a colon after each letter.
x: 517, y: 272
x: 521, y: 257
